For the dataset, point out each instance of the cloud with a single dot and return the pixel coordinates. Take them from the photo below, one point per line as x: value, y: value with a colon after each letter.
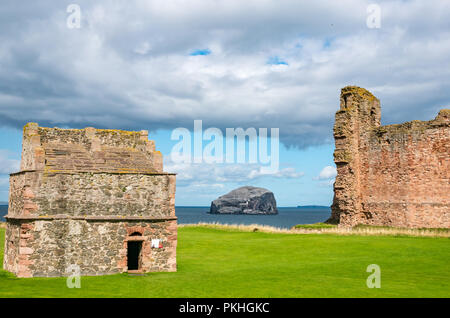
x: 326, y: 177
x: 219, y: 174
x: 327, y: 172
x: 7, y: 165
x: 142, y: 48
x: 288, y: 173
x: 327, y: 183
x: 127, y: 67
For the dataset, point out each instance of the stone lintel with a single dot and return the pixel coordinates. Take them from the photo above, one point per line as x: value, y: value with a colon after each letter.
x: 136, y: 238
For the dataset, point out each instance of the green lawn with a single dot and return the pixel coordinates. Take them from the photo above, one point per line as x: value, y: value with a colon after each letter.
x: 220, y: 263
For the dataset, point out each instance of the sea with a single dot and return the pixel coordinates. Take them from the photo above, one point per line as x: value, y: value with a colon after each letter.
x: 3, y: 212
x: 286, y: 217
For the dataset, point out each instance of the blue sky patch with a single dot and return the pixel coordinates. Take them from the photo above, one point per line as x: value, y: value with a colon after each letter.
x: 200, y: 52
x: 275, y: 60
x: 327, y: 42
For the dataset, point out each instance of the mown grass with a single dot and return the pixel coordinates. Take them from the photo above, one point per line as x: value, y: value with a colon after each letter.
x: 230, y: 263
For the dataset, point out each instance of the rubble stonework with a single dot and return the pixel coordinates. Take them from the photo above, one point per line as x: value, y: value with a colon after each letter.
x: 395, y: 175
x: 81, y: 196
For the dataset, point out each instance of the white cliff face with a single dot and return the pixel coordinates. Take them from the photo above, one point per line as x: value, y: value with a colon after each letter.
x: 245, y: 200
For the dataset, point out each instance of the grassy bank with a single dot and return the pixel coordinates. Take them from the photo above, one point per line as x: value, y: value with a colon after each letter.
x: 323, y: 228
x: 220, y: 262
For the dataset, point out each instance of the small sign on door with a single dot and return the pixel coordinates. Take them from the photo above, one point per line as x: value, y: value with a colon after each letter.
x: 156, y: 243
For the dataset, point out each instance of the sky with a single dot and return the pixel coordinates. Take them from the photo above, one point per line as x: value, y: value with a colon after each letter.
x: 160, y: 65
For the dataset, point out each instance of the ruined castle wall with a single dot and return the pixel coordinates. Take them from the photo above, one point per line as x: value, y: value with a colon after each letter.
x: 396, y: 175
x: 406, y: 175
x: 49, y: 248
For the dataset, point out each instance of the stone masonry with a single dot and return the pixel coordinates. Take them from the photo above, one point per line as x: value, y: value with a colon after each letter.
x: 395, y: 175
x: 82, y: 196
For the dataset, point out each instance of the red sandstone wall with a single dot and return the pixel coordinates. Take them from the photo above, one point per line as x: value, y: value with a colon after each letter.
x: 406, y: 175
x: 397, y: 175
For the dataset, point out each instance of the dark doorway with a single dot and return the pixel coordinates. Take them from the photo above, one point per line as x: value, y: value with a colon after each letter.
x: 134, y: 253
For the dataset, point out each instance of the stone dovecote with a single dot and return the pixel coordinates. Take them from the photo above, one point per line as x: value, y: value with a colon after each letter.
x: 86, y: 197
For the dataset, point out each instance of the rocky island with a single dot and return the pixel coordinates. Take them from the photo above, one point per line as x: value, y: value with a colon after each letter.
x: 245, y: 200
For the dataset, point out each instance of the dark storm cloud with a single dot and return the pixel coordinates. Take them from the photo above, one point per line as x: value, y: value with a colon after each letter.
x: 129, y: 65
